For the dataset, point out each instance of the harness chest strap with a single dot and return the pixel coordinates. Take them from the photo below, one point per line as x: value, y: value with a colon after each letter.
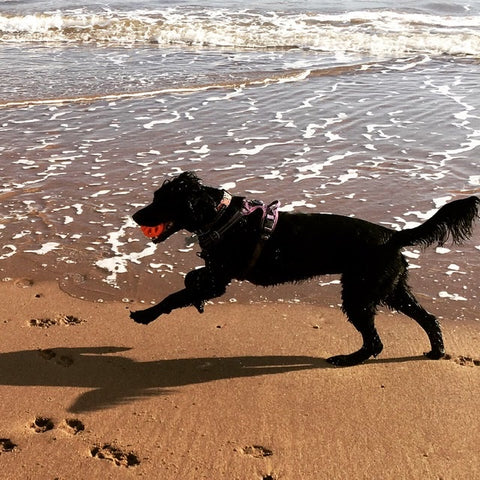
x: 269, y: 221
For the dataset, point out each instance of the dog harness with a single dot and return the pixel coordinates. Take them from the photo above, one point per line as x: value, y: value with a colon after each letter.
x: 213, y: 235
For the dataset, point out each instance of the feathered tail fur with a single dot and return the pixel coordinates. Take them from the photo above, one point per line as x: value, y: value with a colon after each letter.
x: 454, y: 221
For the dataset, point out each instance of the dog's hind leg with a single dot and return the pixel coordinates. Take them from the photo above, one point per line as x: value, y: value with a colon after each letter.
x: 405, y: 302
x: 360, y: 309
x: 359, y: 302
x: 372, y: 345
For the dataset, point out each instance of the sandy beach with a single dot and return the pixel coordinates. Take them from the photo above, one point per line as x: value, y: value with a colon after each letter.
x: 240, y: 392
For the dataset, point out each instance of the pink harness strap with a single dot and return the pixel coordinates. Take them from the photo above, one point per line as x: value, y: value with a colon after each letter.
x: 269, y: 215
x: 269, y: 221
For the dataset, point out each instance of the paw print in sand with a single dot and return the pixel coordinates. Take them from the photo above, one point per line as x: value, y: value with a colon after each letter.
x: 115, y: 455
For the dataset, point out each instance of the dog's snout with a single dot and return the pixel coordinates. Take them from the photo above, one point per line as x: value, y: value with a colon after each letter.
x: 147, y: 216
x: 136, y: 217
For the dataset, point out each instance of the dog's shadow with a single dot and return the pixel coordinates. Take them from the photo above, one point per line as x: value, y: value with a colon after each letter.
x: 115, y: 379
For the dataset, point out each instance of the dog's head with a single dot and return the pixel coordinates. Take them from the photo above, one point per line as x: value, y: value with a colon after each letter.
x: 180, y: 203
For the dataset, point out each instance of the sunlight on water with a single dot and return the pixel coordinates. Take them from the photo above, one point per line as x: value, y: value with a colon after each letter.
x: 371, y: 113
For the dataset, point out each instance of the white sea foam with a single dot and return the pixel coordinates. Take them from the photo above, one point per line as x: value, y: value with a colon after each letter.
x: 203, y: 150
x: 454, y: 269
x: 118, y: 263
x: 474, y: 180
x: 350, y: 175
x: 378, y: 32
x: 228, y: 186
x: 290, y: 207
x: 405, y: 223
x: 258, y: 148
x: 45, y: 248
x: 310, y: 130
x: 234, y: 166
x: 99, y: 193
x: 10, y: 250
x: 163, y: 121
x: 164, y: 267
x: 441, y: 201
x: 410, y: 254
x: 422, y: 215
x: 451, y: 296
x: 314, y: 170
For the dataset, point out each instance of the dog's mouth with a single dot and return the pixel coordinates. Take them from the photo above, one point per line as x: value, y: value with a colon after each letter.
x: 159, y: 232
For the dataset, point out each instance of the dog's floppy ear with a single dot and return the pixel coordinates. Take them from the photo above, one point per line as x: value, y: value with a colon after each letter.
x: 203, y: 199
x: 202, y: 206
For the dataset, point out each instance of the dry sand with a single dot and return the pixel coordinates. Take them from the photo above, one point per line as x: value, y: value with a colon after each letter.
x: 241, y: 392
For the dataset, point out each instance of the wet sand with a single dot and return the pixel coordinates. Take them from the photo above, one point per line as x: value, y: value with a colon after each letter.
x: 241, y: 392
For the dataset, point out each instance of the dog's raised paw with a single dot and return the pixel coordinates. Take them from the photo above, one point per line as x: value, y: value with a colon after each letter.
x: 139, y: 316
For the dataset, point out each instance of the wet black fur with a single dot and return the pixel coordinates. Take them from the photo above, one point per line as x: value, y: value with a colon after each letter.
x: 368, y: 257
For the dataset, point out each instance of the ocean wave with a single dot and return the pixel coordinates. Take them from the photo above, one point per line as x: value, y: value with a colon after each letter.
x: 378, y: 33
x: 267, y: 78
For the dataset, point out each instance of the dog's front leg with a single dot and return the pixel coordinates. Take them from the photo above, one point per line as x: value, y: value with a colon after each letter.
x: 200, y: 285
x: 182, y: 298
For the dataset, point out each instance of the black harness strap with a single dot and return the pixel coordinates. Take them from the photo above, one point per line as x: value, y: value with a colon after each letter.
x: 212, y: 237
x: 269, y: 220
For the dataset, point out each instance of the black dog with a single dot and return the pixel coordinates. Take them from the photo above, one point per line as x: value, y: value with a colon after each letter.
x: 241, y: 239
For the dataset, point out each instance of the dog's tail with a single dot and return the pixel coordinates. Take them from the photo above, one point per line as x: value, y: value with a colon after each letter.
x: 453, y: 221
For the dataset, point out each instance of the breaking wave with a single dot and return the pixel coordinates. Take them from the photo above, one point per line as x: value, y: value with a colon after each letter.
x: 378, y: 33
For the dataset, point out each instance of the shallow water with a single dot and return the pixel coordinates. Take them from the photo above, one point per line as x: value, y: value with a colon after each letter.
x: 378, y: 120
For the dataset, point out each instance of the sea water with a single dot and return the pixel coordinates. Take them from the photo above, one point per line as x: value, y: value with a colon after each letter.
x: 361, y: 108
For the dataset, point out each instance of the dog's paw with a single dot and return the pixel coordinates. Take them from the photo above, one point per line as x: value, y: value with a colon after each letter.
x: 342, y: 361
x: 199, y: 305
x: 142, y: 317
x: 435, y: 355
x: 350, y: 360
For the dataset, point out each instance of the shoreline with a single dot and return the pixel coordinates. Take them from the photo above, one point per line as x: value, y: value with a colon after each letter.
x: 242, y: 391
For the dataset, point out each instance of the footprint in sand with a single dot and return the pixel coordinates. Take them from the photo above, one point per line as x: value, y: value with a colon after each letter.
x: 63, y: 360
x: 23, y: 282
x: 6, y: 445
x: 73, y: 426
x: 463, y: 360
x: 115, y: 455
x: 256, y: 451
x: 59, y: 319
x: 41, y: 425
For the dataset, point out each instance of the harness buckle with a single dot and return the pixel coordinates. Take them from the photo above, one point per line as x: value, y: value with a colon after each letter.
x: 270, y: 219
